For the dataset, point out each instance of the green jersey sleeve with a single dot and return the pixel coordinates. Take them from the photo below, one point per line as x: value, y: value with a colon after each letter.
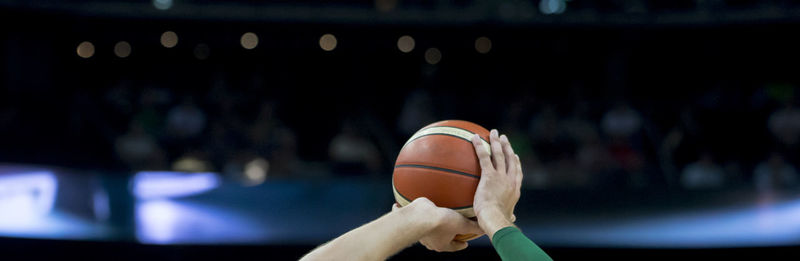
x: 512, y: 245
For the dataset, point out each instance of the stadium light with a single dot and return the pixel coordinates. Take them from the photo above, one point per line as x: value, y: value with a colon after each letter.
x: 249, y: 40
x: 483, y: 45
x: 122, y: 49
x: 162, y: 4
x: 433, y: 56
x: 328, y: 42
x: 549, y: 7
x: 85, y: 49
x: 405, y: 43
x: 169, y: 39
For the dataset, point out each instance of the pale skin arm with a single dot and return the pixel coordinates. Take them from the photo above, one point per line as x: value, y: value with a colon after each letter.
x: 499, y: 188
x: 387, y: 235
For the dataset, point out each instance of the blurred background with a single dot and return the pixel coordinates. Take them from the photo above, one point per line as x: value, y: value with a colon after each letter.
x: 202, y: 129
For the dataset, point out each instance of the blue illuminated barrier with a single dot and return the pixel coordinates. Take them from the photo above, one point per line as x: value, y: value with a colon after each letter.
x: 27, y: 197
x: 203, y: 208
x: 170, y: 184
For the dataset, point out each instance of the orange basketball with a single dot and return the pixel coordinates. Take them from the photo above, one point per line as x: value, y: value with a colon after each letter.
x: 439, y: 163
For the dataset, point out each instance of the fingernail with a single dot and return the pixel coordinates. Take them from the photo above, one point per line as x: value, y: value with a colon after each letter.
x: 494, y: 133
x: 476, y: 137
x: 504, y: 138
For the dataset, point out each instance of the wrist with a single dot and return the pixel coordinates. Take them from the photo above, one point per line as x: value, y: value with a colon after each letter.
x: 492, y: 220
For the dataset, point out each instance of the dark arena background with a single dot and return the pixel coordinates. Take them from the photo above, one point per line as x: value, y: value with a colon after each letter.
x: 259, y: 129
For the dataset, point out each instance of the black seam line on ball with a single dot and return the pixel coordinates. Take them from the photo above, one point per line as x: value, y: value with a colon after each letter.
x: 409, y: 201
x: 437, y: 168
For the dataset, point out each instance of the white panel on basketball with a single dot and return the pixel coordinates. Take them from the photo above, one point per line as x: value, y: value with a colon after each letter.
x: 451, y: 131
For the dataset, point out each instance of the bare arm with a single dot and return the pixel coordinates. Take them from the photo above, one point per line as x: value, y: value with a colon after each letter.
x: 387, y: 235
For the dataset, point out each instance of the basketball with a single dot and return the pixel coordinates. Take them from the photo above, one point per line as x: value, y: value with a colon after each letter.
x: 439, y: 162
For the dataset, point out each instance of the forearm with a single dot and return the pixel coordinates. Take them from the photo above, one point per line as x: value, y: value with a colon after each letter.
x: 512, y: 245
x: 507, y: 239
x: 378, y: 239
x: 492, y: 220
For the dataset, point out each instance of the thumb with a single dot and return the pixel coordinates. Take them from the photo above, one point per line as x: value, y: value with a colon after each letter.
x: 470, y: 227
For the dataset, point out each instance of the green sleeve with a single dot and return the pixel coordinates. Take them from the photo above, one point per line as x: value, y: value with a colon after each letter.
x: 512, y: 245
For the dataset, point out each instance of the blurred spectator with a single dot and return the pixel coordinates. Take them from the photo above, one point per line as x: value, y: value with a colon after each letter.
x: 546, y: 137
x: 511, y: 127
x: 774, y: 173
x: 139, y: 150
x: 352, y: 153
x: 221, y: 143
x: 578, y: 125
x: 261, y: 133
x: 247, y: 168
x: 591, y: 155
x: 785, y: 125
x: 284, y: 160
x: 703, y: 174
x: 150, y: 113
x: 666, y: 154
x: 621, y: 124
x: 192, y: 161
x: 186, y: 120
x: 680, y: 146
x: 594, y: 159
x: 269, y: 138
x: 224, y: 107
x: 565, y: 173
x: 536, y: 175
x: 629, y: 162
x: 622, y: 121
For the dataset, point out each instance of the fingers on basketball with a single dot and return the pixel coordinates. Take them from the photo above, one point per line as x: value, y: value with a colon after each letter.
x: 511, y: 160
x: 497, y: 152
x: 483, y: 155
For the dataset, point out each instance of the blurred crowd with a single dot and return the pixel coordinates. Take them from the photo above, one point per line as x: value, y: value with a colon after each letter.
x: 715, y: 140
